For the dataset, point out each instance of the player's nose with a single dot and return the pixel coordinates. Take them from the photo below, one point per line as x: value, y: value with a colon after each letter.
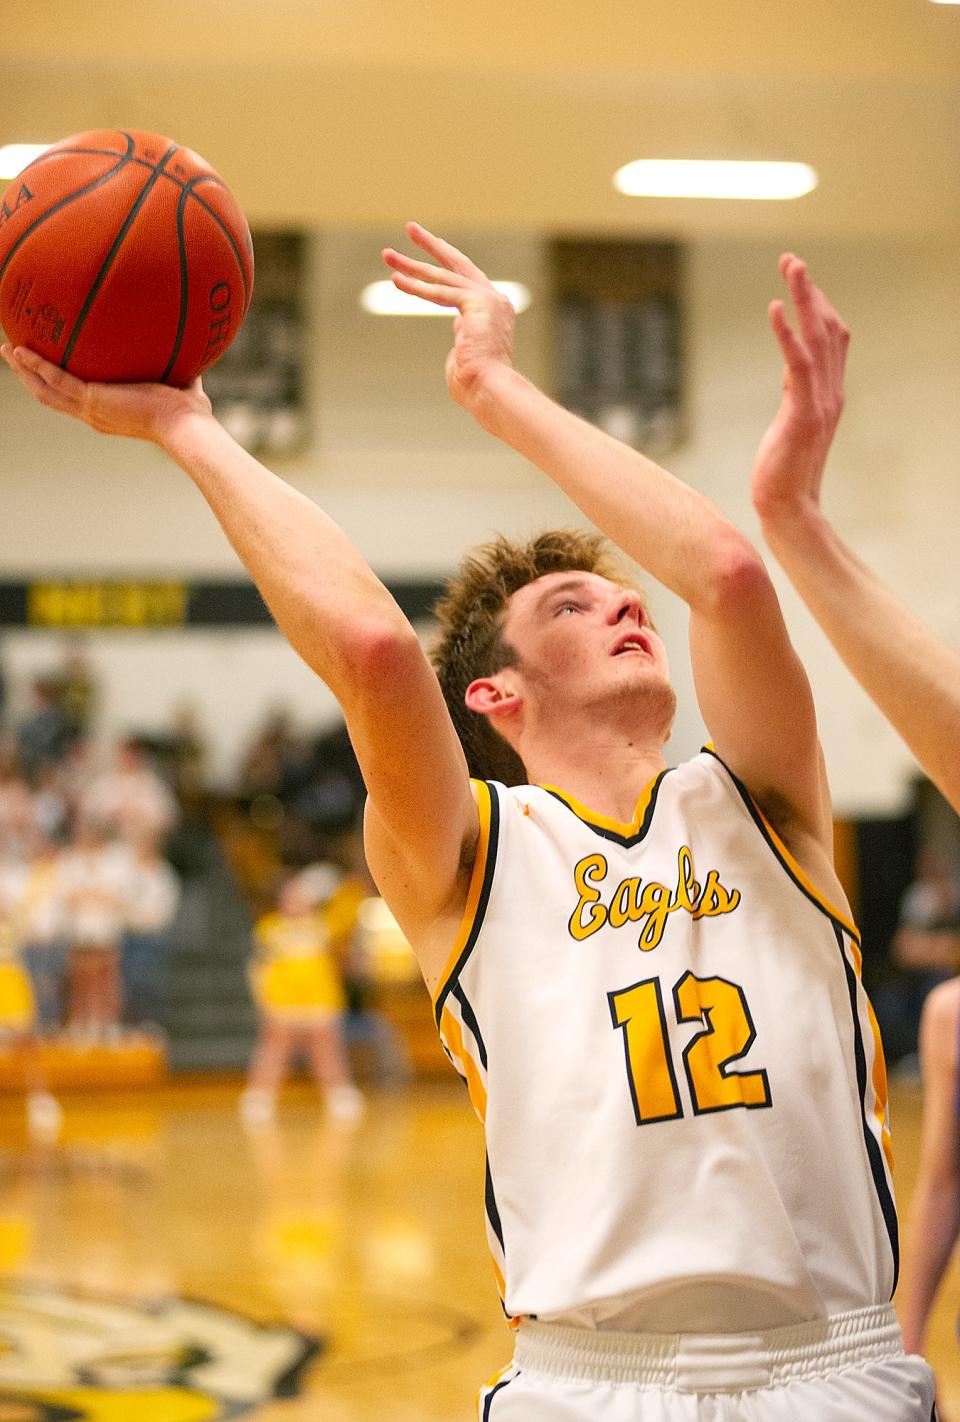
x: 626, y: 605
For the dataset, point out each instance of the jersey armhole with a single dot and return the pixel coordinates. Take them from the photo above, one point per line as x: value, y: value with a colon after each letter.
x: 478, y: 892
x: 780, y: 851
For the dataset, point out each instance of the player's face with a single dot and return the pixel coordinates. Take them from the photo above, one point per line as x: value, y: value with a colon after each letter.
x: 578, y: 636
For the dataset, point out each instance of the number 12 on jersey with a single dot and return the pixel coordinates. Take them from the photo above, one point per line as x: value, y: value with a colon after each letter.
x: 726, y: 1035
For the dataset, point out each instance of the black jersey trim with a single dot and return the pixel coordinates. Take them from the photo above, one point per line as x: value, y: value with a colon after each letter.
x: 874, y: 1151
x: 809, y: 891
x: 488, y: 1400
x: 490, y: 1199
x: 470, y: 1021
x: 627, y: 835
x: 472, y: 924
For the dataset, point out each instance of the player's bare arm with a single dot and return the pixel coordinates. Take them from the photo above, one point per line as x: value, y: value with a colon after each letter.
x: 752, y: 689
x: 421, y: 821
x: 934, y: 1220
x: 912, y: 677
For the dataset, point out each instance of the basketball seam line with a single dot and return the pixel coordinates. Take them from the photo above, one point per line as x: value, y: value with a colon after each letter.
x: 104, y: 177
x: 109, y: 259
x: 184, y: 280
x: 230, y: 238
x: 130, y: 156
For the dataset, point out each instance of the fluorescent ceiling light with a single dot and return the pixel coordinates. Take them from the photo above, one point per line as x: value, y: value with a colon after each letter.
x: 14, y: 157
x: 382, y: 298
x: 699, y: 178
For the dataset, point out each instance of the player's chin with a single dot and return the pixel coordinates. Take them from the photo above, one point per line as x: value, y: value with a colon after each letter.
x: 640, y: 667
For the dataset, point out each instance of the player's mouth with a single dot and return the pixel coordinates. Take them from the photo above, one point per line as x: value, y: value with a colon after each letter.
x: 631, y: 643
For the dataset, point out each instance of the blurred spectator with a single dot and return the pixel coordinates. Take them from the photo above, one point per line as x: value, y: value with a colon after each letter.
x: 51, y: 806
x: 16, y: 804
x: 261, y: 767
x: 41, y: 916
x: 188, y: 750
x: 18, y: 1025
x: 78, y: 693
x: 365, y: 1028
x: 3, y: 694
x: 44, y: 735
x: 925, y: 952
x: 300, y: 1002
x: 153, y: 896
x: 131, y: 797
x: 95, y: 877
x: 278, y: 760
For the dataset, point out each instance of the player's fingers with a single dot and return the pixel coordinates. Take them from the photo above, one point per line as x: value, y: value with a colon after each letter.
x: 803, y: 292
x: 795, y: 353
x: 62, y: 381
x: 50, y: 384
x: 429, y: 291
x: 444, y: 252
x: 38, y: 388
x: 820, y: 326
x: 422, y: 271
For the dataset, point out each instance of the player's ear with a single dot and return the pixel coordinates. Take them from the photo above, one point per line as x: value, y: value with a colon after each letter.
x: 489, y: 698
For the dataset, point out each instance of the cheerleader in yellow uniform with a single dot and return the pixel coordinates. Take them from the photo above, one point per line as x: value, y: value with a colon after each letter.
x: 18, y: 1016
x: 300, y: 1003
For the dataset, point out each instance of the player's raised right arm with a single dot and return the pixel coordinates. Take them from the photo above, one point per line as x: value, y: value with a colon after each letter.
x: 421, y: 821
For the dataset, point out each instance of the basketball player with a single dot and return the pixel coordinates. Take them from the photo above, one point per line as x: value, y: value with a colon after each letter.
x: 915, y: 681
x: 648, y: 977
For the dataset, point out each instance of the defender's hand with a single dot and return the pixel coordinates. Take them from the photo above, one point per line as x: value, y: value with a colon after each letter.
x: 790, y: 461
x: 483, y: 329
x: 141, y: 411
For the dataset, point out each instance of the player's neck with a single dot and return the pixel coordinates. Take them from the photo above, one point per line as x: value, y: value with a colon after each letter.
x: 607, y: 776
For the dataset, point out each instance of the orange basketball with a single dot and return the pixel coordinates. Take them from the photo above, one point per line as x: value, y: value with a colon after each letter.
x: 123, y: 257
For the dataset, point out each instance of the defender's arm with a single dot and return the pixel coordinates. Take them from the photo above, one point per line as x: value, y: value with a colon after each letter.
x: 913, y: 678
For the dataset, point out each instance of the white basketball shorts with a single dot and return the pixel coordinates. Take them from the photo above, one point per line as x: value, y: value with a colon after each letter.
x: 849, y: 1368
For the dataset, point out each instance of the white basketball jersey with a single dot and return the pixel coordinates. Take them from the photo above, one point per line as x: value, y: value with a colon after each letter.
x: 663, y: 1028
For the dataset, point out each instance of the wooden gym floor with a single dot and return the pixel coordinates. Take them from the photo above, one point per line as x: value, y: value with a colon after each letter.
x: 370, y: 1238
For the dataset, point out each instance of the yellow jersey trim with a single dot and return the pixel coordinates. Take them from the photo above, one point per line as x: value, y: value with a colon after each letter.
x: 803, y: 877
x: 590, y: 817
x: 798, y: 872
x: 474, y: 890
x: 475, y: 1087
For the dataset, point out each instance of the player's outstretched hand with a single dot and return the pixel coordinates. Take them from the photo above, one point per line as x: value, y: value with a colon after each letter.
x: 141, y: 411
x: 483, y: 327
x: 789, y: 465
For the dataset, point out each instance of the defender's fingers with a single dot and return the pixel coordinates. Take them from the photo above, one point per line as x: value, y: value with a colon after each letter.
x: 430, y: 291
x: 444, y: 252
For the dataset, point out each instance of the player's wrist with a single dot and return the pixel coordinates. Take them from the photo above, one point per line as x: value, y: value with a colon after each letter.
x: 491, y: 393
x: 181, y: 424
x: 790, y: 505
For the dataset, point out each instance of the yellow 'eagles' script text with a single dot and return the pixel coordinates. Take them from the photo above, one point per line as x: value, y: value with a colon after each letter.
x: 650, y: 903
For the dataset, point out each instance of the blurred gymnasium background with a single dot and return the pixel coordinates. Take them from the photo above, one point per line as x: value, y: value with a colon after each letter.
x: 157, y: 1245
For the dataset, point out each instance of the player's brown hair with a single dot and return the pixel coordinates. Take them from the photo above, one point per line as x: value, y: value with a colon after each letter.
x: 471, y: 642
